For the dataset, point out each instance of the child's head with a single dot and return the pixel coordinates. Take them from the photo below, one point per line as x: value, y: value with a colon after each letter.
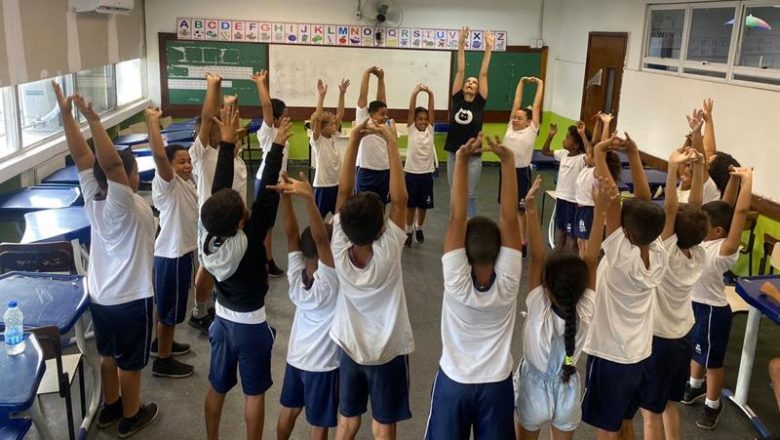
x: 565, y: 278
x: 522, y: 118
x: 719, y: 165
x: 421, y: 120
x: 471, y: 86
x: 643, y: 221
x: 180, y: 160
x: 308, y: 246
x: 614, y: 165
x: 685, y: 173
x: 377, y: 111
x: 719, y: 214
x: 328, y: 125
x: 279, y: 111
x: 690, y: 225
x: 215, y: 136
x: 572, y: 142
x: 130, y: 166
x: 223, y: 213
x: 363, y: 218
x: 483, y: 241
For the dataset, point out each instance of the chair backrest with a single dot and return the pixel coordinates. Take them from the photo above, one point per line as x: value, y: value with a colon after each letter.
x: 49, y: 339
x: 38, y: 257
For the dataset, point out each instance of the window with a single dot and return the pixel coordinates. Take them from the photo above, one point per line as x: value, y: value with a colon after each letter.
x: 97, y: 87
x: 760, y: 48
x: 8, y: 122
x: 40, y: 114
x: 710, y: 35
x: 666, y: 33
x: 129, y: 81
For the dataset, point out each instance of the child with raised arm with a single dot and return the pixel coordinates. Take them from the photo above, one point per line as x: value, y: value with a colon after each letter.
x: 175, y: 196
x: 482, y: 266
x: 119, y: 279
x: 468, y: 105
x: 712, y: 314
x: 327, y: 158
x: 620, y: 336
x: 421, y: 162
x: 560, y: 306
x: 373, y: 170
x: 274, y: 110
x: 520, y: 138
x: 371, y: 324
x: 685, y: 173
x: 231, y: 242
x: 204, y: 152
x: 311, y: 378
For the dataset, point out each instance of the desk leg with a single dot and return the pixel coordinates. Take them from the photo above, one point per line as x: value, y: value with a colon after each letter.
x: 544, y: 198
x: 551, y: 229
x: 94, y: 364
x: 38, y: 420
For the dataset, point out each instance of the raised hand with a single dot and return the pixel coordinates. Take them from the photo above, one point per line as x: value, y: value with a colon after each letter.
x: 682, y: 156
x: 213, y: 78
x: 153, y: 115
x: 581, y: 128
x: 707, y: 109
x: 284, y: 131
x: 695, y: 120
x: 228, y: 123
x: 597, y: 116
x: 471, y: 147
x: 553, y: 129
x: 390, y: 134
x: 260, y: 77
x: 464, y: 33
x: 490, y: 40
x: 85, y: 108
x: 65, y: 103
x: 289, y: 186
x: 630, y: 144
x: 322, y: 88
x: 499, y: 149
x: 343, y: 86
x: 741, y: 172
x: 606, y: 118
x: 230, y: 100
x: 531, y: 196
x: 605, y: 192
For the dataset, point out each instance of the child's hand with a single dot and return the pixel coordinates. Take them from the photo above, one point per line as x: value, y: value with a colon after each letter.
x: 741, y: 172
x: 490, y: 40
x: 707, y: 110
x: 605, y: 192
x: 378, y: 72
x: 228, y: 123
x: 680, y: 157
x: 499, y: 149
x: 288, y: 186
x: 553, y: 129
x: 284, y: 131
x: 85, y: 108
x: 230, y: 100
x: 771, y: 291
x: 581, y: 128
x: 695, y: 120
x: 213, y: 78
x: 322, y: 88
x: 536, y: 80
x: 66, y: 104
x: 530, y: 198
x: 606, y: 118
x: 153, y: 114
x: 390, y: 134
x: 260, y: 77
x: 471, y: 147
x: 425, y: 89
x: 343, y: 86
x: 597, y: 116
x: 629, y: 143
x: 464, y: 33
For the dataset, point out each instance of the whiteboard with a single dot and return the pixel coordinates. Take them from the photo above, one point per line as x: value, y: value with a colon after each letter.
x: 294, y: 71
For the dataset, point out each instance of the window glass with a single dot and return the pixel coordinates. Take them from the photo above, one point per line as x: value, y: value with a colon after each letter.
x: 666, y: 31
x: 129, y: 82
x: 710, y: 36
x: 40, y: 114
x: 761, y: 38
x: 97, y: 87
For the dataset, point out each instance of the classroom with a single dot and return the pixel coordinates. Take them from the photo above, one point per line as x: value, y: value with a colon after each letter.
x: 389, y: 219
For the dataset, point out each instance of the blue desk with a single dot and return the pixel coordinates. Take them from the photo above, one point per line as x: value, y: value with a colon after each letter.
x: 37, y: 198
x: 50, y: 225
x: 176, y: 137
x: 146, y: 168
x: 20, y: 376
x: 188, y: 125
x: 655, y: 179
x: 128, y: 140
x: 253, y: 126
x: 64, y: 176
x: 542, y: 162
x: 441, y: 127
x: 749, y: 288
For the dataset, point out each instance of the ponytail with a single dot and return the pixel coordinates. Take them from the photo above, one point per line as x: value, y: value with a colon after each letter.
x: 569, y: 335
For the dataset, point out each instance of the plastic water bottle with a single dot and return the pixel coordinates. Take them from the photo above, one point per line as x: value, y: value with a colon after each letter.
x: 14, y: 329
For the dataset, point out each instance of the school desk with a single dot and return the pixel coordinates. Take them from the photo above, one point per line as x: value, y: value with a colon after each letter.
x: 51, y: 225
x: 188, y: 125
x: 542, y: 162
x: 20, y: 377
x: 128, y: 140
x: 64, y: 176
x: 146, y: 168
x: 655, y: 178
x: 13, y: 429
x: 13, y: 205
x: 551, y: 227
x: 749, y: 288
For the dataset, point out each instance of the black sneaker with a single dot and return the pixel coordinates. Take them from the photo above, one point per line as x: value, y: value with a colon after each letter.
x: 408, y: 242
x: 177, y: 349
x: 418, y: 235
x: 709, y: 417
x: 691, y: 395
x: 145, y: 415
x: 170, y: 367
x: 201, y: 324
x: 274, y: 271
x: 110, y: 414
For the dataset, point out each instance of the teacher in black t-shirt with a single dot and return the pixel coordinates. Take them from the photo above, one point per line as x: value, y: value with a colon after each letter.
x: 468, y: 106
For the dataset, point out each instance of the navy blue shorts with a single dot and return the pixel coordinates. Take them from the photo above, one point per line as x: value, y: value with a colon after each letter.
x: 420, y: 190
x: 387, y: 385
x: 243, y: 347
x: 565, y: 211
x: 172, y: 281
x: 710, y: 334
x: 377, y: 181
x: 124, y: 332
x: 274, y: 198
x: 325, y: 199
x: 457, y: 408
x: 613, y: 392
x: 523, y: 185
x: 667, y: 371
x: 583, y: 221
x: 315, y: 391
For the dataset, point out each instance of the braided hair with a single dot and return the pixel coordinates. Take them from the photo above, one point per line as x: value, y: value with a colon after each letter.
x: 565, y: 280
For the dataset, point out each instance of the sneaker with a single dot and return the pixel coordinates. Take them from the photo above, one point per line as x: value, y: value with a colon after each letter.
x: 177, y: 349
x: 170, y: 367
x: 110, y: 414
x: 418, y: 235
x: 408, y: 242
x: 274, y: 271
x: 201, y: 324
x: 691, y: 395
x: 145, y: 415
x: 709, y: 417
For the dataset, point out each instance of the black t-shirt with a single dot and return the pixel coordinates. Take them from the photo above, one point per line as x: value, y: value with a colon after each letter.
x: 465, y: 120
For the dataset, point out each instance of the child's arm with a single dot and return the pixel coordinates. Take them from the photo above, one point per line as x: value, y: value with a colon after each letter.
x: 362, y: 101
x: 606, y: 123
x: 641, y: 187
x: 413, y: 104
x: 584, y: 136
x: 510, y: 228
x: 164, y: 169
x: 710, y: 147
x: 316, y: 125
x: 398, y: 194
x: 605, y: 196
x: 107, y: 156
x: 457, y: 83
x: 596, y: 135
x: 731, y: 244
x: 210, y: 107
x: 455, y: 237
x: 483, y: 71
x: 77, y: 145
x: 613, y: 218
x: 228, y: 126
x: 535, y: 240
x: 290, y: 221
x: 537, y: 107
x: 343, y: 85
x: 347, y: 172
x: 731, y: 191
x: 550, y: 136
x: 431, y: 106
x: 696, y: 198
x: 380, y: 87
x: 518, y: 96
x: 677, y: 158
x: 261, y: 81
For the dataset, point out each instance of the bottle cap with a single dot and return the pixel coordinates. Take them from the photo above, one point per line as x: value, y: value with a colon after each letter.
x: 11, y: 304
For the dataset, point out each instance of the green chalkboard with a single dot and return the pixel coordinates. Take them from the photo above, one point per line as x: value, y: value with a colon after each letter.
x: 188, y: 62
x: 506, y: 69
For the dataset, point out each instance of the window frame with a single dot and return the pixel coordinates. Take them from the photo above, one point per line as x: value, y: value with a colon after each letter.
x: 668, y: 62
x: 773, y: 74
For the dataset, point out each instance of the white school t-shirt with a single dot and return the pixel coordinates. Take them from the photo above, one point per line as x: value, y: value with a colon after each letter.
x: 177, y: 202
x: 521, y: 142
x: 371, y: 323
x: 122, y: 243
x: 568, y: 171
x: 421, y: 151
x: 673, y: 311
x: 327, y: 161
x: 622, y: 326
x: 542, y: 325
x: 372, y: 152
x: 711, y: 192
x: 310, y: 348
x: 265, y: 137
x: 204, y: 165
x: 477, y: 327
x: 710, y: 288
x: 585, y: 181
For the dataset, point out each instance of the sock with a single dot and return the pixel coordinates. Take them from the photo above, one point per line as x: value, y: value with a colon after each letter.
x: 417, y: 227
x: 200, y: 310
x: 695, y: 383
x: 408, y: 229
x: 714, y: 404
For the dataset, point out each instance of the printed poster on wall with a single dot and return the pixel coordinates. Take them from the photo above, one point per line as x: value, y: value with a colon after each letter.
x: 332, y: 35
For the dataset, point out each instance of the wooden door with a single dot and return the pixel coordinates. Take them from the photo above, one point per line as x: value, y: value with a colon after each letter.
x: 603, y: 75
